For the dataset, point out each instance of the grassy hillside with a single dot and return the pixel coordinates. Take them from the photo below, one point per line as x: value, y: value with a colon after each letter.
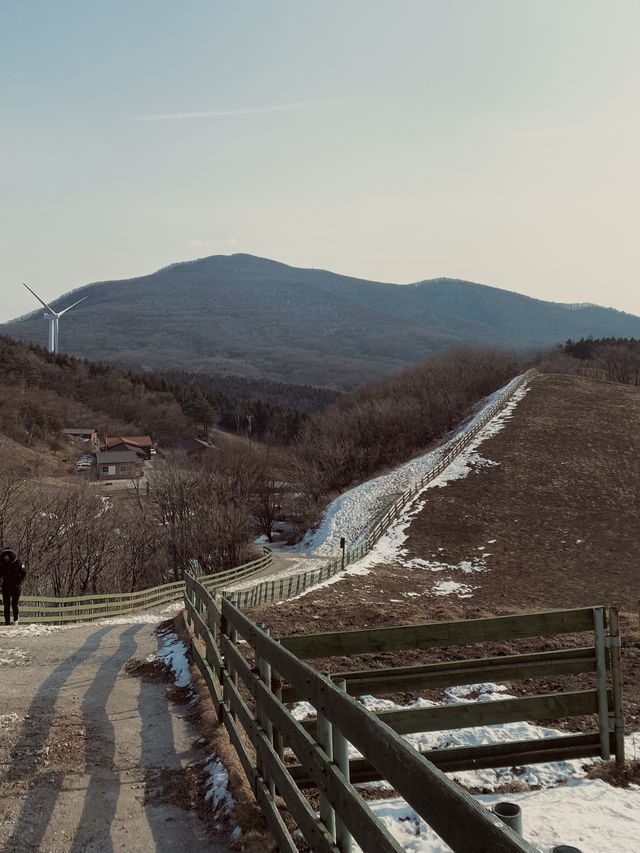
x: 548, y: 522
x: 257, y: 318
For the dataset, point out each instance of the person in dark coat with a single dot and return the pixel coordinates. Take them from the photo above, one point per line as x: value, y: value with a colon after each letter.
x: 12, y: 573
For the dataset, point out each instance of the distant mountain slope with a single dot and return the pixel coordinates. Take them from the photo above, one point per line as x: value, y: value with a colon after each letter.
x: 238, y: 314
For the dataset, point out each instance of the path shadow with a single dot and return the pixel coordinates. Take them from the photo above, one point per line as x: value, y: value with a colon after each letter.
x: 29, y: 750
x: 101, y: 798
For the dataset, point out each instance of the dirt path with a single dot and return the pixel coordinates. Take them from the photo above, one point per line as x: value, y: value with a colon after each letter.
x: 285, y: 562
x: 92, y: 759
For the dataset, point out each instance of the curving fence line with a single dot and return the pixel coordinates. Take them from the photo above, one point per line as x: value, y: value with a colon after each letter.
x: 289, y: 586
x: 82, y: 608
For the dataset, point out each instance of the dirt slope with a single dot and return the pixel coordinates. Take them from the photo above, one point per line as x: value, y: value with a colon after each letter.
x: 553, y: 524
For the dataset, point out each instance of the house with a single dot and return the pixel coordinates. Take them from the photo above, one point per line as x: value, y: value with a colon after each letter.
x: 85, y: 436
x: 118, y: 465
x: 141, y: 442
x: 195, y: 445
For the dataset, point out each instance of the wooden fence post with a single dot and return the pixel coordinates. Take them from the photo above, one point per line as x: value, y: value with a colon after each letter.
x: 325, y: 740
x: 616, y: 680
x: 264, y: 669
x: 341, y: 759
x: 603, y: 701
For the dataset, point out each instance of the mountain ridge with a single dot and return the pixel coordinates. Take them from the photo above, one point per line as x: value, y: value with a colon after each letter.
x: 248, y: 316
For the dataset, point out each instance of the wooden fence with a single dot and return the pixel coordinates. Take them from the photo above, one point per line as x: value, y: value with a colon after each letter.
x: 276, y: 589
x: 599, y: 661
x: 244, y: 669
x: 37, y: 608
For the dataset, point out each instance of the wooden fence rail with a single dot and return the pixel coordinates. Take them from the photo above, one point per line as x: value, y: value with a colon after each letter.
x: 38, y: 608
x: 246, y: 695
x: 600, y: 661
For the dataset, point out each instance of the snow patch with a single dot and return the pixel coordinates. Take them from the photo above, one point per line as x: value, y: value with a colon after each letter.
x: 34, y: 630
x: 173, y: 653
x: 133, y: 619
x: 219, y: 795
x: 460, y: 590
x: 354, y: 512
x: 13, y: 657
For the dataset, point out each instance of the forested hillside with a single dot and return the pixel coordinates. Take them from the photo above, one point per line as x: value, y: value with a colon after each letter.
x: 389, y: 421
x: 201, y: 510
x: 256, y: 318
x: 41, y: 393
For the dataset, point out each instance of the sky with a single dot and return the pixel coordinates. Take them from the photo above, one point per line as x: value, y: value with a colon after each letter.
x: 492, y: 140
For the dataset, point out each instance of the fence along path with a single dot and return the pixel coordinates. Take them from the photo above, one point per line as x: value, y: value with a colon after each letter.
x: 247, y: 695
x: 276, y: 589
x: 81, y: 608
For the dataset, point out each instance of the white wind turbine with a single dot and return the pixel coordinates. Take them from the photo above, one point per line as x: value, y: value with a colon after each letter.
x: 54, y: 318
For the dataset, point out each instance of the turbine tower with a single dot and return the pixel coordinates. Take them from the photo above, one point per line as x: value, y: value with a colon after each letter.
x: 54, y: 319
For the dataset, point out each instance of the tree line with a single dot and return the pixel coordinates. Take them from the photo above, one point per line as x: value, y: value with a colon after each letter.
x: 41, y: 393
x: 202, y: 512
x: 194, y: 515
x: 613, y: 359
x: 389, y: 421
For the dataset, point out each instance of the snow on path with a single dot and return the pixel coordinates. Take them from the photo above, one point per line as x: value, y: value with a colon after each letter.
x: 354, y: 512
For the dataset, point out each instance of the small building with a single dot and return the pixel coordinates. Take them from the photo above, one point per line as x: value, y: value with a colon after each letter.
x: 84, y: 436
x: 141, y: 442
x: 118, y: 465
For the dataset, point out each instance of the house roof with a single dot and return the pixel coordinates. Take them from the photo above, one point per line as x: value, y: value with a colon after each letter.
x: 105, y: 457
x: 196, y: 444
x: 139, y: 440
x: 133, y: 448
x: 78, y: 431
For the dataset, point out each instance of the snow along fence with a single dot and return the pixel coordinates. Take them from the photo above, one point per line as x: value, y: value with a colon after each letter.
x: 82, y: 608
x: 246, y: 690
x: 287, y: 586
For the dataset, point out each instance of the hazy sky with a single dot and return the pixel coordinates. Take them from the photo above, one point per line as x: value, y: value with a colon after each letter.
x: 494, y: 140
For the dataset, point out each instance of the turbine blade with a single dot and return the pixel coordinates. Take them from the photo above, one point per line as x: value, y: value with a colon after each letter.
x: 69, y: 307
x: 42, y: 302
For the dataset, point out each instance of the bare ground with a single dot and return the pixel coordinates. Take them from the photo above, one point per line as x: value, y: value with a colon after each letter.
x: 556, y: 520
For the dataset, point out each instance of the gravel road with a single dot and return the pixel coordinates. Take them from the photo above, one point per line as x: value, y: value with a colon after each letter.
x: 93, y: 760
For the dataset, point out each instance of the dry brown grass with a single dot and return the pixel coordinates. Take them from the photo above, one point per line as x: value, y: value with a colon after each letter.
x: 562, y: 507
x: 621, y: 777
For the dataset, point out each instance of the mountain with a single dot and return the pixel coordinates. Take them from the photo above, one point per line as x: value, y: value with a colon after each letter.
x: 253, y: 317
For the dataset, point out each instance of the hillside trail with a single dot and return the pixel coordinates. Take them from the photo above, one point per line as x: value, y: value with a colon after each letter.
x: 93, y: 760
